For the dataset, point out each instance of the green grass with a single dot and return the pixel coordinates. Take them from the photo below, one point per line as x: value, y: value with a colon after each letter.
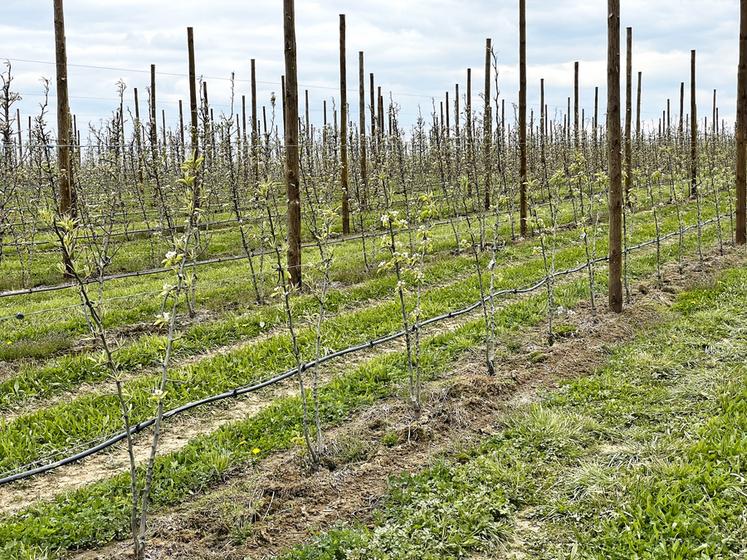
x: 644, y: 459
x: 98, y: 513
x: 85, y: 418
x: 92, y: 416
x: 66, y: 372
x: 134, y: 251
x: 221, y: 289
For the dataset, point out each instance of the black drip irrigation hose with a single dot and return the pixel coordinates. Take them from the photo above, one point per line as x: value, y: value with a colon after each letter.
x: 308, y: 365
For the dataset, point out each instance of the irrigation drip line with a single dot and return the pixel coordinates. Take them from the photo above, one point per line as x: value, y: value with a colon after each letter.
x: 246, y: 389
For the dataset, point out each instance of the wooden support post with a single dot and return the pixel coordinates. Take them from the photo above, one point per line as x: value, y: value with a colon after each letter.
x: 255, y: 124
x: 523, y: 211
x: 693, y: 130
x: 628, y: 115
x: 741, y: 163
x: 344, y: 131
x: 362, y: 128
x: 292, y: 171
x: 614, y: 156
x: 487, y: 126
x: 64, y: 161
x: 575, y: 107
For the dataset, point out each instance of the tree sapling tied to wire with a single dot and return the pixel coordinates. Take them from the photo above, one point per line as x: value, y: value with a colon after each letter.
x: 284, y: 290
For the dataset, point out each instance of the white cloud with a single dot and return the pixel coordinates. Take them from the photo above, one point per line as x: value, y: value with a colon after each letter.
x: 415, y: 47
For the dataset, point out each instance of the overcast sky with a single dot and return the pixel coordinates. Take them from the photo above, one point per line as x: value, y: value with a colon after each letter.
x: 416, y: 48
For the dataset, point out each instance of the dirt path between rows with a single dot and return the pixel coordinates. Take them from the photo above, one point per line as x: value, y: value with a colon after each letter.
x: 263, y: 510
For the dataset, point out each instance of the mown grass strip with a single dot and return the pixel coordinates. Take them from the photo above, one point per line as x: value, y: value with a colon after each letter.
x: 678, y: 391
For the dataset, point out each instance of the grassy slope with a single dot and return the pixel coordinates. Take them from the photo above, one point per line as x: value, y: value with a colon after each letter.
x: 644, y: 459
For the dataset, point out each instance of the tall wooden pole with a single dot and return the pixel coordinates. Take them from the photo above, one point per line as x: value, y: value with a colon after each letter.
x: 638, y: 109
x: 628, y: 114
x: 138, y: 139
x: 575, y: 106
x: 344, y: 130
x: 741, y: 178
x: 64, y: 161
x: 193, y: 110
x: 457, y: 135
x: 372, y: 95
x: 282, y: 96
x: 181, y: 127
x: 292, y: 165
x: 20, y: 138
x: 362, y: 128
x: 614, y: 156
x: 714, y: 118
x: 163, y: 129
x: 682, y: 113
x: 596, y: 117
x: 487, y: 125
x: 468, y: 114
x: 194, y: 147
x: 523, y: 117
x: 152, y: 122
x: 307, y: 121
x: 381, y: 113
x: 448, y: 116
x: 255, y: 122
x: 543, y: 161
x: 693, y: 130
